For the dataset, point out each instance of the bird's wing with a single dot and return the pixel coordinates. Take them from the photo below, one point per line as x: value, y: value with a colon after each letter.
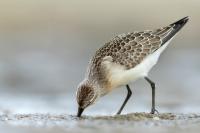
x: 130, y: 49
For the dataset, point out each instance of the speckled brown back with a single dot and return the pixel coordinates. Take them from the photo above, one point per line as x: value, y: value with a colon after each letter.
x: 130, y: 49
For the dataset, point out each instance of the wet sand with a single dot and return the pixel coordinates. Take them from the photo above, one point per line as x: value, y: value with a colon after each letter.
x: 144, y: 122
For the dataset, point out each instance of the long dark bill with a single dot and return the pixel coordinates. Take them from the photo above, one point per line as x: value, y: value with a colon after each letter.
x: 80, y: 111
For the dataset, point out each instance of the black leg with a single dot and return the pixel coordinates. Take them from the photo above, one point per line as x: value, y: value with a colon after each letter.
x: 126, y: 100
x: 153, y: 109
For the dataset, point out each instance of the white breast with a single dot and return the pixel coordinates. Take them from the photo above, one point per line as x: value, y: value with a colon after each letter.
x: 119, y: 76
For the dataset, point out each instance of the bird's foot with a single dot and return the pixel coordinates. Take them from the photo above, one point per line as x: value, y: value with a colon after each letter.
x: 119, y: 112
x: 153, y: 111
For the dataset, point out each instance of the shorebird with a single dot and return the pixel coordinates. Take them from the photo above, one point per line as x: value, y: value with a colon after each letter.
x: 124, y: 59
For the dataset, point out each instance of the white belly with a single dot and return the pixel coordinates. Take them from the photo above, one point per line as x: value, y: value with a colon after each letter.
x: 122, y: 77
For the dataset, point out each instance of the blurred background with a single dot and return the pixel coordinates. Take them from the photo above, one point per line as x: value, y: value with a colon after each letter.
x: 45, y: 46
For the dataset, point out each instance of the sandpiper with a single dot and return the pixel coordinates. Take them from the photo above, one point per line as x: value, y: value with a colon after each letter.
x: 122, y: 60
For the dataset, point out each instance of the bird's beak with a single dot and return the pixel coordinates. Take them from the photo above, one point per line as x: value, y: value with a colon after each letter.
x: 80, y: 111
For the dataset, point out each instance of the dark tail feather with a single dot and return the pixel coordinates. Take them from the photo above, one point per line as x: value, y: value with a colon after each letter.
x: 177, y: 26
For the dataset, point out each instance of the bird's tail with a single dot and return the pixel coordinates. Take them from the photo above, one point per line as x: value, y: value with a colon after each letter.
x: 175, y: 27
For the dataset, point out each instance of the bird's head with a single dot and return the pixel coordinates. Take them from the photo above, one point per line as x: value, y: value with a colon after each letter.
x: 86, y: 95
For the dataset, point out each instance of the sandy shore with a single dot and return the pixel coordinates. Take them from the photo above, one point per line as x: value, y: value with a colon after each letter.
x: 140, y: 122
